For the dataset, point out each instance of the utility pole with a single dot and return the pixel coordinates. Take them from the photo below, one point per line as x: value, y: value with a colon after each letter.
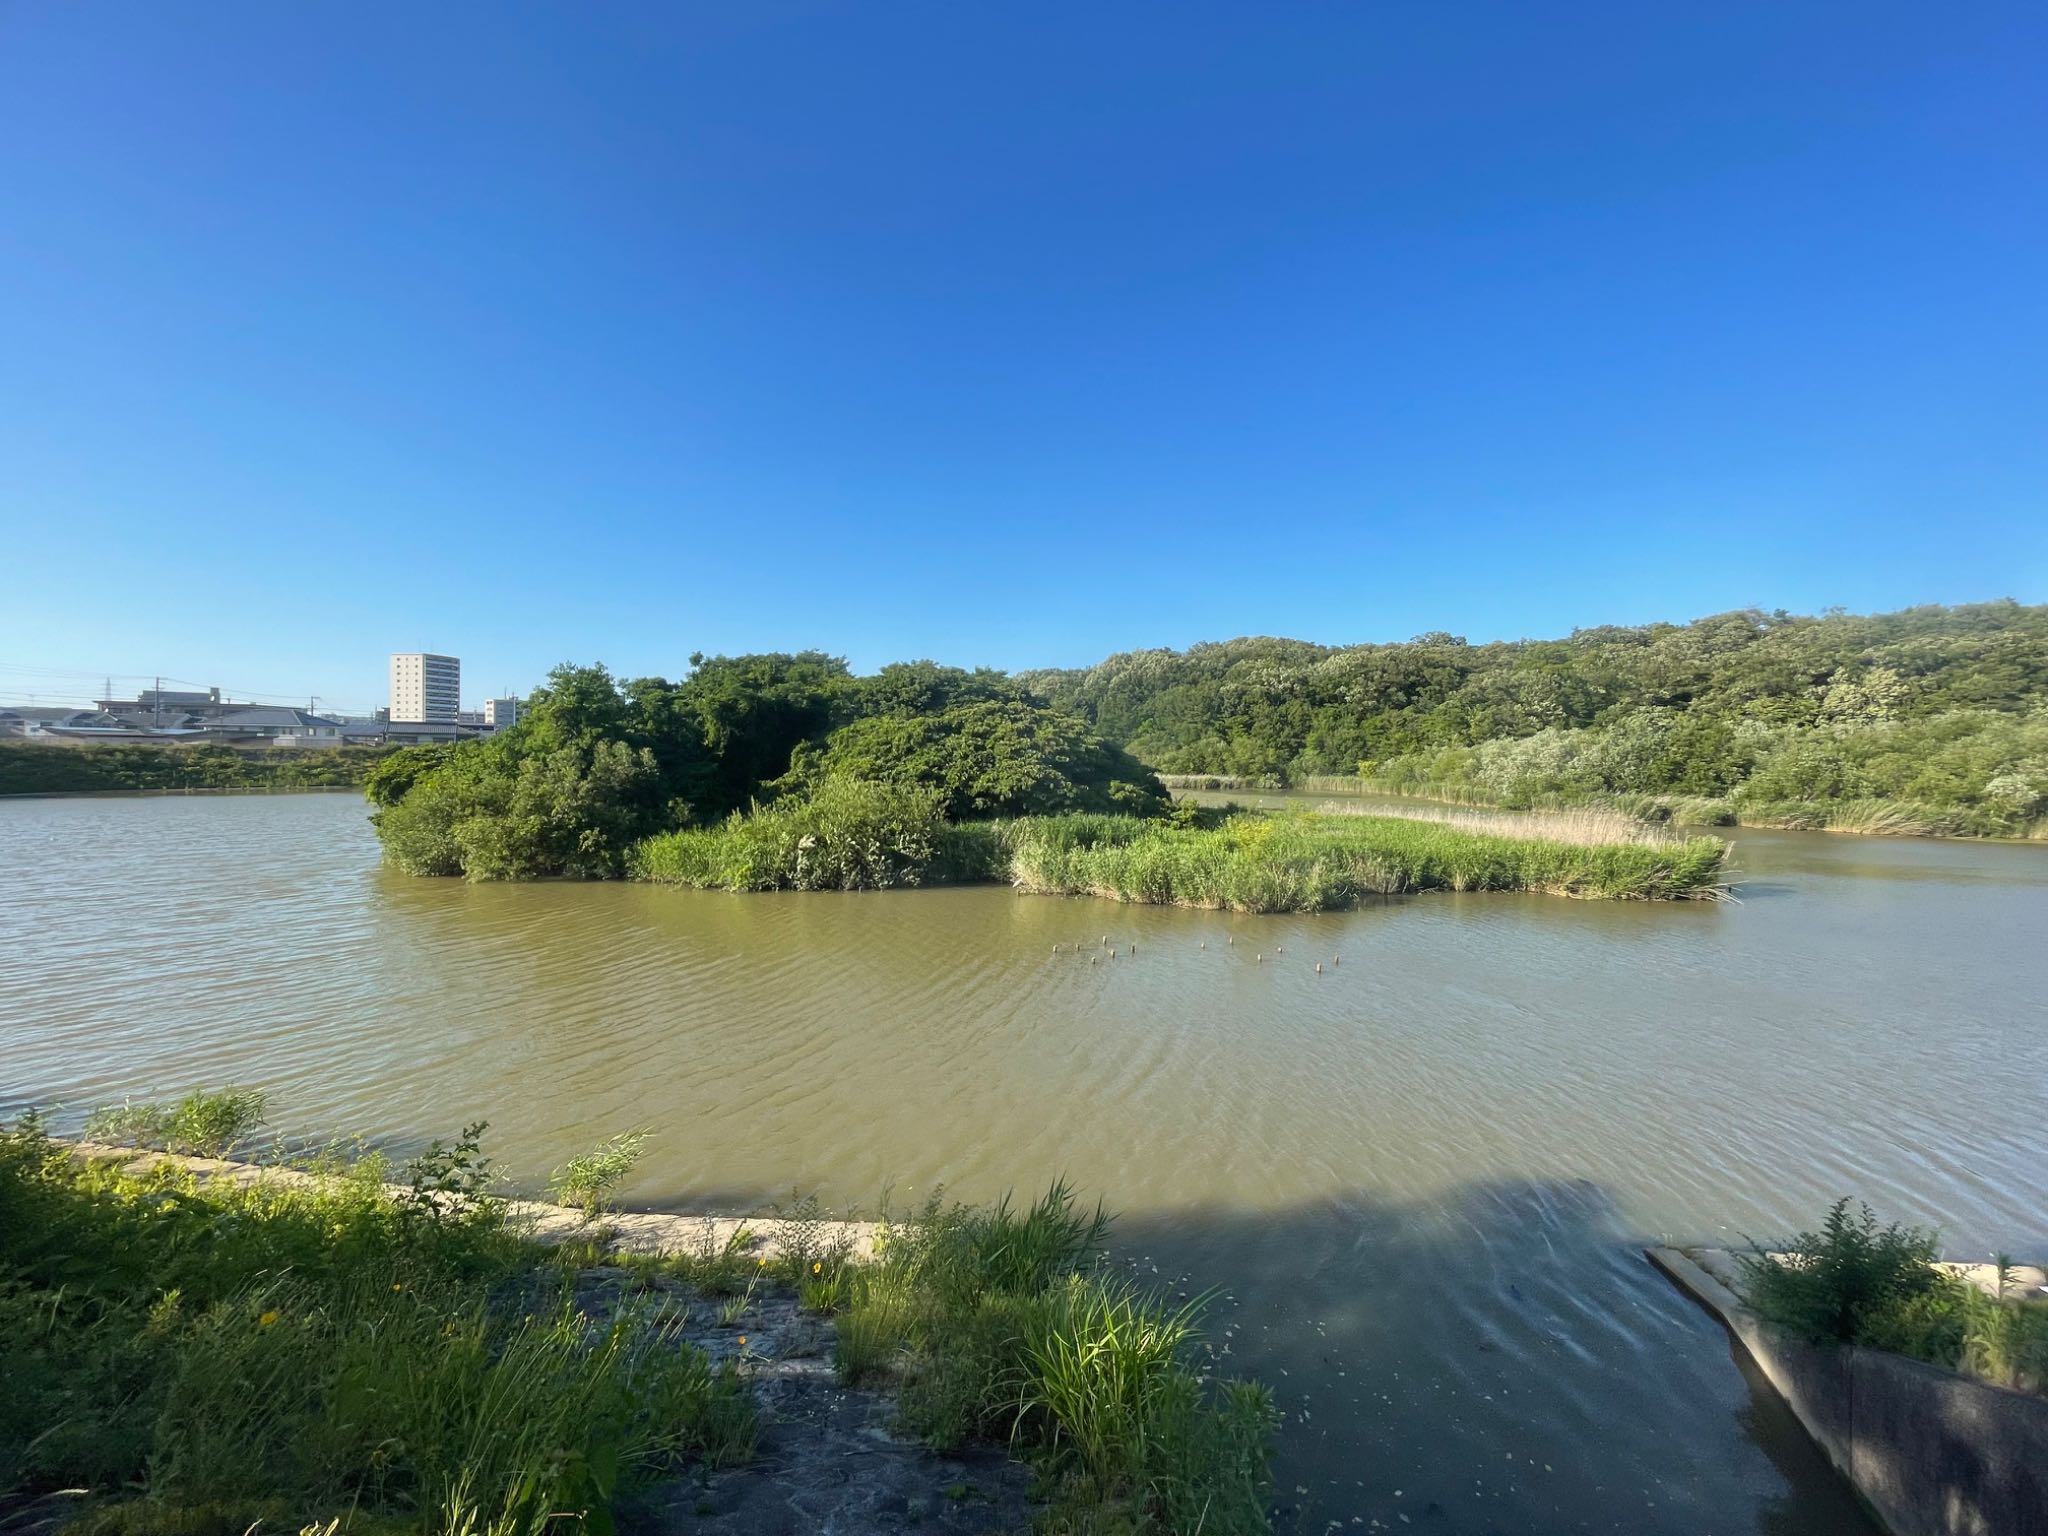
x: 159, y: 698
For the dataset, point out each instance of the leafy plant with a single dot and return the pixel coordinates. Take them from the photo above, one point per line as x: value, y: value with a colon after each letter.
x: 1840, y: 1283
x: 202, y: 1124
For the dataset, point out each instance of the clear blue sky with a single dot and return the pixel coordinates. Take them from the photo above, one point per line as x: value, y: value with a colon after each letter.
x: 1008, y: 335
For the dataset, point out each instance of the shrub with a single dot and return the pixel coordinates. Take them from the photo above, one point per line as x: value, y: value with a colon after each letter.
x: 988, y: 757
x: 849, y: 834
x: 1844, y: 1282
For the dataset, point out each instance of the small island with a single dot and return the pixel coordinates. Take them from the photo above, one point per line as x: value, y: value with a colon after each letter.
x: 786, y: 772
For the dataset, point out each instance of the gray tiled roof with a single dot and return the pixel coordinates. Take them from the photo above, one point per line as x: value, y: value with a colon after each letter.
x: 271, y: 717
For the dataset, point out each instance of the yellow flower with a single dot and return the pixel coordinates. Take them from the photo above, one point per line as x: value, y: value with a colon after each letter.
x: 743, y: 1341
x: 396, y: 1286
x: 817, y: 1269
x: 762, y: 1261
x: 268, y: 1318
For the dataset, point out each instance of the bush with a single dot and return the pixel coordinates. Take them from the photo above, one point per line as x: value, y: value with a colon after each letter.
x: 849, y: 834
x: 38, y: 768
x: 1853, y: 1282
x: 1838, y: 1284
x: 488, y: 814
x: 986, y: 758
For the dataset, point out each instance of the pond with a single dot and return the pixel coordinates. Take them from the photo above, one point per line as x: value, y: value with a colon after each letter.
x: 1418, y: 1182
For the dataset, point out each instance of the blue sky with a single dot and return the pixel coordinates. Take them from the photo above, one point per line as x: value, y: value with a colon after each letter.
x: 1006, y: 335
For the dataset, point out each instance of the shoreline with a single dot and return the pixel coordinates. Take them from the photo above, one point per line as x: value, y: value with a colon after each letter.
x: 1179, y: 784
x: 470, y: 1358
x: 650, y: 1234
x: 204, y: 789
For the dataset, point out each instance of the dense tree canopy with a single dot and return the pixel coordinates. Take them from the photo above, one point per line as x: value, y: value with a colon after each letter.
x: 595, y: 765
x: 1943, y: 706
x: 995, y: 757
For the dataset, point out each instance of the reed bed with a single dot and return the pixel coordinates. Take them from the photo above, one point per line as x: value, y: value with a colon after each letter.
x: 1247, y: 863
x: 1321, y: 863
x: 1583, y: 826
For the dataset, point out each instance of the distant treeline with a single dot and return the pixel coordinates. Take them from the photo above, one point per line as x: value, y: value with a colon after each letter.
x: 1930, y: 719
x: 31, y: 768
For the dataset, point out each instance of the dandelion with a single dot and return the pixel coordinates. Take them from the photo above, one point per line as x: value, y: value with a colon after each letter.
x: 817, y: 1269
x: 268, y: 1318
x: 762, y: 1261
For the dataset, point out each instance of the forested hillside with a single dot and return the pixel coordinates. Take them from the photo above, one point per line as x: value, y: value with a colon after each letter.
x: 1939, y: 715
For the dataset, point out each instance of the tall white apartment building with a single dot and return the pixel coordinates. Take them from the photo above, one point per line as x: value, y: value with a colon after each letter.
x: 499, y: 713
x: 425, y: 686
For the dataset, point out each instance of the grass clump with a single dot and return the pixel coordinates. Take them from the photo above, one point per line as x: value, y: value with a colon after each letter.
x: 202, y: 1356
x: 590, y: 1180
x: 202, y: 1124
x: 1855, y: 1282
x: 996, y: 1325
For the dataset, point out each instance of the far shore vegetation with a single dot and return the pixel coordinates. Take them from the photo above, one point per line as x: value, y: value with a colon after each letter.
x: 36, y: 768
x: 379, y: 1349
x: 1930, y: 720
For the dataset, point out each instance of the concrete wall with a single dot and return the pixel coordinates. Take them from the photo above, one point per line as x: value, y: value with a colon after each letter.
x: 1933, y: 1452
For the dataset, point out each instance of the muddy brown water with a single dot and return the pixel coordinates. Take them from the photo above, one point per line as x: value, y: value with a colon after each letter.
x: 1418, y: 1182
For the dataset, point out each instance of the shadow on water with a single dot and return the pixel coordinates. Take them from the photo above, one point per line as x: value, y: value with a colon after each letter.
x: 1498, y: 1359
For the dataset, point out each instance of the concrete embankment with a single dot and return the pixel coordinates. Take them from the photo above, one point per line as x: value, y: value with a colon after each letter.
x: 1933, y: 1452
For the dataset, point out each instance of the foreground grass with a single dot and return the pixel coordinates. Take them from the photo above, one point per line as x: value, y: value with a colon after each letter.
x: 1247, y: 863
x: 199, y: 1357
x: 205, y: 1358
x: 996, y: 1325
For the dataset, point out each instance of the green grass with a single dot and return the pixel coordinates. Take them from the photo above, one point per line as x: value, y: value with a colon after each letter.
x: 202, y: 1124
x: 207, y: 1356
x: 1300, y: 863
x: 997, y: 1325
x: 341, y: 1350
x: 1255, y: 862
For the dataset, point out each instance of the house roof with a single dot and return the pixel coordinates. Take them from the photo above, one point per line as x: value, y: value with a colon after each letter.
x: 273, y: 716
x: 43, y: 712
